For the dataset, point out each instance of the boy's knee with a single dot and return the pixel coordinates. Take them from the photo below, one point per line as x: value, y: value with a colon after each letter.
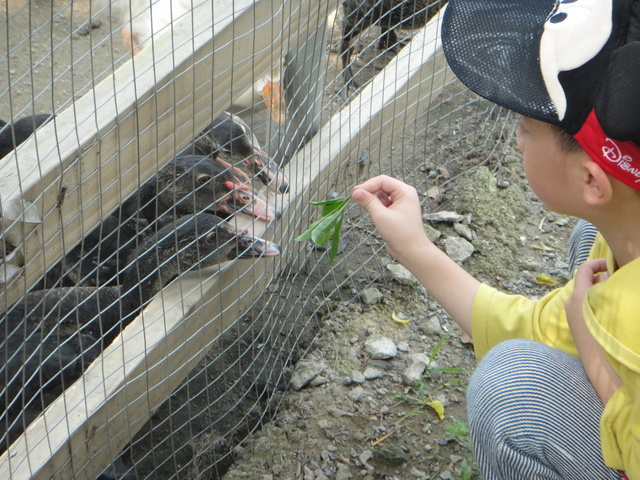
x: 506, y: 376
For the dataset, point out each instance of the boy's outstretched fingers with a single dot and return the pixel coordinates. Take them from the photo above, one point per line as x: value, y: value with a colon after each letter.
x: 394, y: 207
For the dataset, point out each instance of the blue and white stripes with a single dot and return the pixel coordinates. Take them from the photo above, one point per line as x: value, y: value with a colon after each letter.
x: 533, y: 414
x: 580, y: 243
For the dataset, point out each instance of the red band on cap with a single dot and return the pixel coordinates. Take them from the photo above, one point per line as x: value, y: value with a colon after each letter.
x: 619, y: 159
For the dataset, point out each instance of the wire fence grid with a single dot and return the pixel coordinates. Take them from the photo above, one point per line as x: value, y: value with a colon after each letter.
x: 137, y: 339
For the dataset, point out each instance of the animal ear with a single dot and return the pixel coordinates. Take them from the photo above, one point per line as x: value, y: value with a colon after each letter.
x: 618, y: 103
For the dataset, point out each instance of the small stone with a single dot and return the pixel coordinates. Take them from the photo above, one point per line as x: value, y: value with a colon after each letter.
x: 379, y: 347
x: 446, y: 217
x: 446, y: 475
x: 371, y: 373
x: 308, y: 473
x: 418, y: 473
x: 434, y: 373
x: 305, y: 372
x: 319, y: 380
x: 324, y: 424
x: 417, y: 365
x: 357, y: 377
x: 356, y: 394
x: 432, y: 326
x: 464, y: 231
x: 403, y: 347
x: 371, y: 296
x: 343, y: 472
x: 458, y: 248
x: 442, y: 398
x: 402, y: 275
x: 365, y: 456
x: 383, y: 365
x: 389, y: 454
x: 432, y: 233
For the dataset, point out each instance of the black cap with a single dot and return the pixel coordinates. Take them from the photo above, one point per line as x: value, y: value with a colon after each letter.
x: 551, y: 60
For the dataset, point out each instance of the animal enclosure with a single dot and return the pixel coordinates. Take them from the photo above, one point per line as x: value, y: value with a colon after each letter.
x: 182, y: 330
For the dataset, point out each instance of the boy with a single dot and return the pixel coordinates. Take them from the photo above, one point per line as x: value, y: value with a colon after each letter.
x: 556, y: 394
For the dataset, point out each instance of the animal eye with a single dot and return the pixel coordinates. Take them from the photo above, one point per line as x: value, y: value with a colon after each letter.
x: 202, y: 179
x: 211, y: 237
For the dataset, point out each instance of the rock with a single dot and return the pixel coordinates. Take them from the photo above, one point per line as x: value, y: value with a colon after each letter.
x: 383, y: 365
x: 379, y: 347
x: 442, y: 398
x: 432, y: 233
x: 305, y: 372
x: 356, y: 394
x: 418, y: 473
x: 365, y: 456
x: 464, y: 231
x: 402, y: 275
x: 343, y: 472
x: 391, y: 455
x: 403, y: 347
x: 357, y: 377
x: 308, y: 473
x: 418, y: 363
x: 458, y: 248
x: 446, y: 217
x: 319, y: 380
x: 371, y: 373
x: 371, y: 296
x: 432, y: 326
x: 324, y: 424
x: 434, y: 373
x: 446, y: 475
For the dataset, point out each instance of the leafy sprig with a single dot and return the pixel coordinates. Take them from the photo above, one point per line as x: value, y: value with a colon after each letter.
x: 328, y: 227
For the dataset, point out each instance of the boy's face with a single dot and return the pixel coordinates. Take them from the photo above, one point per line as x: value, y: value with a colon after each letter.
x: 549, y: 170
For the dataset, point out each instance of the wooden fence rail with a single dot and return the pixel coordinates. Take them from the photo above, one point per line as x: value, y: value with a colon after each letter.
x: 139, y: 108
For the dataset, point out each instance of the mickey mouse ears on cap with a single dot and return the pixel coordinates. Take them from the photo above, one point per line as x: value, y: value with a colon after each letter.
x: 555, y: 61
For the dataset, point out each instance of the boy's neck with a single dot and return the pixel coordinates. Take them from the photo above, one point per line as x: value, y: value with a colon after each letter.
x: 622, y: 234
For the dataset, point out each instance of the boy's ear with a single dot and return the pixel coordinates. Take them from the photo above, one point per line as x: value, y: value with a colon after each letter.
x: 597, y: 188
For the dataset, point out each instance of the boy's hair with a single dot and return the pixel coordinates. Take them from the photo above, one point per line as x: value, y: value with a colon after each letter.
x: 565, y: 142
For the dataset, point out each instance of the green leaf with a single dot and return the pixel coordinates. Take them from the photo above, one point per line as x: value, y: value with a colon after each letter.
x: 331, y: 201
x: 329, y: 226
x: 335, y: 240
x: 322, y: 231
x: 307, y: 233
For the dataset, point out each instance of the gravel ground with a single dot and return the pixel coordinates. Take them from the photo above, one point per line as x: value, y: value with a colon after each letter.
x: 381, y: 393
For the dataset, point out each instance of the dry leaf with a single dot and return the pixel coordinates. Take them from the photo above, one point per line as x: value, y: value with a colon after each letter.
x: 438, y: 407
x: 395, y: 318
x: 544, y: 280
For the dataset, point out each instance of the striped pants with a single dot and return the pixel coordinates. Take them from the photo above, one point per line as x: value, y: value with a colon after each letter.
x: 533, y: 414
x: 580, y: 243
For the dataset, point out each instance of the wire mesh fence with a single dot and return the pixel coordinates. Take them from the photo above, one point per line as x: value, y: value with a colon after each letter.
x: 151, y: 319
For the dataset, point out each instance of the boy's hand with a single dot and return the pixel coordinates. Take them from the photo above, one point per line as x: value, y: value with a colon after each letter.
x: 603, y: 377
x: 395, y: 209
x: 587, y: 275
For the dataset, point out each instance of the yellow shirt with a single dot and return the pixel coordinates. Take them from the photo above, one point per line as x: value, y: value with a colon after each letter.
x: 612, y: 313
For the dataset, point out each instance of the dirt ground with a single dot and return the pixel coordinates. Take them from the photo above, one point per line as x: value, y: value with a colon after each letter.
x: 294, y: 391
